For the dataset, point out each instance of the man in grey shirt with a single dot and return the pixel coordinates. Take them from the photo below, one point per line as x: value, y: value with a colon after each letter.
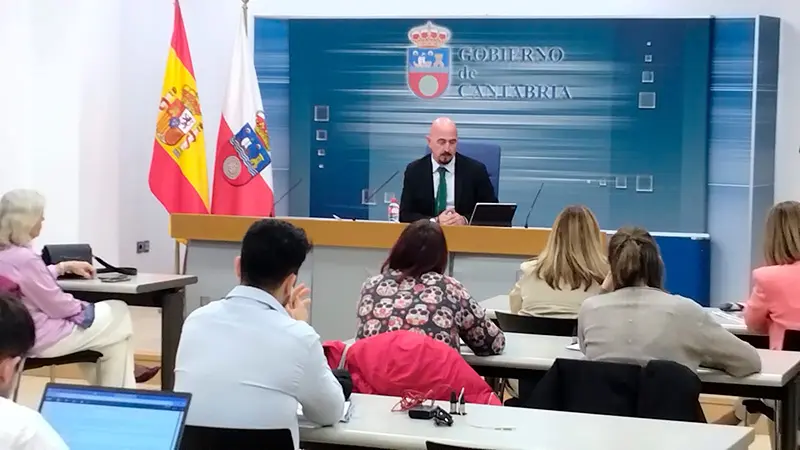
x: 250, y: 358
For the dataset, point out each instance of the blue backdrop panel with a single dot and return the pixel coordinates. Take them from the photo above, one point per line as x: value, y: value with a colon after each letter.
x: 687, y: 261
x: 611, y: 113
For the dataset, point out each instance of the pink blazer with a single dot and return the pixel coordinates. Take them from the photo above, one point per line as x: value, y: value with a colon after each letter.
x: 774, y: 304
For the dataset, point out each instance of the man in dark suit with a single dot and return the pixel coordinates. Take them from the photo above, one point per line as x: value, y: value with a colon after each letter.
x: 444, y: 185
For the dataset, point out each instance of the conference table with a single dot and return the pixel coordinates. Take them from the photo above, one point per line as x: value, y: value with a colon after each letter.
x: 527, y: 356
x: 372, y: 424
x: 165, y: 291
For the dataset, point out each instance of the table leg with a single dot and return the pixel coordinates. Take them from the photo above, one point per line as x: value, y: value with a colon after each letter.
x: 787, y: 419
x: 172, y: 307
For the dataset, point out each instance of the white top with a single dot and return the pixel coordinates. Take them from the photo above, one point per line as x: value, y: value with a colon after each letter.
x: 732, y: 322
x: 22, y: 428
x: 537, y: 352
x: 247, y: 364
x: 449, y: 178
x: 140, y: 284
x: 372, y: 424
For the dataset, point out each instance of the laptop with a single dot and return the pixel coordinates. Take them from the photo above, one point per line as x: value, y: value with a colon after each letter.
x: 493, y: 214
x: 99, y: 418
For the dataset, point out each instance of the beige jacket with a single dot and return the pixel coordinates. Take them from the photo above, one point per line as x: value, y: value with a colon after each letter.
x: 532, y: 296
x: 638, y: 324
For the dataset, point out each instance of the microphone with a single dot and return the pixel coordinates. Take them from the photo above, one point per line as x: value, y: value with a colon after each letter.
x: 288, y: 191
x: 371, y: 196
x: 532, y: 205
x: 365, y: 201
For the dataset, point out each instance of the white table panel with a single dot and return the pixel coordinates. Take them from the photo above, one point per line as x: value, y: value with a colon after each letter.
x: 732, y: 322
x: 372, y: 424
x: 139, y: 284
x: 537, y: 352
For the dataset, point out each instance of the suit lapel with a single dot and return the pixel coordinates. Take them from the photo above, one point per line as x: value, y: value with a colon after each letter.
x: 430, y: 200
x: 458, y: 182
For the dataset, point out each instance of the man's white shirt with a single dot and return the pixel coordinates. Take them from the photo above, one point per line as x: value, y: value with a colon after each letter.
x: 248, y: 364
x: 22, y: 428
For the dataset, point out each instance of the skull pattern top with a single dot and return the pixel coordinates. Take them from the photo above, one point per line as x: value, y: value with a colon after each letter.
x: 433, y: 304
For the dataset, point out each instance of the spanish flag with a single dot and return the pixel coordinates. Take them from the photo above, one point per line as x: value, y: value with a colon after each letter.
x: 178, y: 174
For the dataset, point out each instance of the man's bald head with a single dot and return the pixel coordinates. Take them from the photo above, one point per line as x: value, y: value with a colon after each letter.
x: 442, y: 139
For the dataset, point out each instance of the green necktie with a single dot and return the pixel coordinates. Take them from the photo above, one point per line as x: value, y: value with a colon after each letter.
x: 441, y: 192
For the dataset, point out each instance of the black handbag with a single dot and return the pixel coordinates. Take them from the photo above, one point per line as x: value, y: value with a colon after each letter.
x: 54, y: 254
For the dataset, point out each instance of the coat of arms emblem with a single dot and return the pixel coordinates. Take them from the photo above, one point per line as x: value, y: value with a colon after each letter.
x: 428, y: 61
x: 179, y: 119
x: 251, y: 145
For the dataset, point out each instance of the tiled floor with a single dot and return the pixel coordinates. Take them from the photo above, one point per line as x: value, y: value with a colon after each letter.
x: 146, y: 329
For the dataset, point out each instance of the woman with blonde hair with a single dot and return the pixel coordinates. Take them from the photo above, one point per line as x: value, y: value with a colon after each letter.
x: 638, y: 321
x: 773, y: 305
x: 570, y: 268
x: 63, y: 323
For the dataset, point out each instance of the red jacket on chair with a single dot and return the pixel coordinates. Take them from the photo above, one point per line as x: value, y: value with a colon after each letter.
x: 395, y: 362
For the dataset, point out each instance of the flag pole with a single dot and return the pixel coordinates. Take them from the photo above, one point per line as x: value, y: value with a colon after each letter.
x: 244, y: 12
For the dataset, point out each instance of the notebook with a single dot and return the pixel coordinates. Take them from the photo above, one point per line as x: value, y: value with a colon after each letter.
x: 99, y: 418
x: 305, y: 423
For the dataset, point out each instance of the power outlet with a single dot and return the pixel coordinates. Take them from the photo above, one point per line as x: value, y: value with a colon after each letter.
x: 143, y: 247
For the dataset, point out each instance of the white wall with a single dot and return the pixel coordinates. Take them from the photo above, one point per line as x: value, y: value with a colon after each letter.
x: 56, y: 71
x: 105, y: 133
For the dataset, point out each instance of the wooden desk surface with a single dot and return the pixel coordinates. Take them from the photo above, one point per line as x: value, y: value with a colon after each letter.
x: 364, y: 234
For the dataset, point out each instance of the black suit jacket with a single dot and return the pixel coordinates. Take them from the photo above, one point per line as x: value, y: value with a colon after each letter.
x: 663, y: 390
x: 472, y: 186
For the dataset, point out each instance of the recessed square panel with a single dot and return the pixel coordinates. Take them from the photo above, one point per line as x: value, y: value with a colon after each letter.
x: 648, y: 58
x: 648, y: 76
x: 602, y: 182
x: 388, y: 196
x: 644, y: 183
x: 320, y: 152
x: 367, y: 198
x: 647, y: 100
x: 621, y: 182
x: 322, y: 135
x: 322, y: 113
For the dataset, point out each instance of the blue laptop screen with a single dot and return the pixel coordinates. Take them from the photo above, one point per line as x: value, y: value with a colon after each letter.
x: 98, y: 419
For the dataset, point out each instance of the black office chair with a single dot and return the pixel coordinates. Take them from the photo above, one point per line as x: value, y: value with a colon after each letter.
x: 87, y: 356
x: 791, y: 343
x: 208, y: 438
x: 548, y: 326
x: 435, y: 446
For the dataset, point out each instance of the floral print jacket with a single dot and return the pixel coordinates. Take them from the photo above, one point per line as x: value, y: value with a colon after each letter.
x: 433, y: 304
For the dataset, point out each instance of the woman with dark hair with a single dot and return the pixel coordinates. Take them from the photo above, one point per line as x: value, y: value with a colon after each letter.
x: 413, y: 293
x: 637, y: 321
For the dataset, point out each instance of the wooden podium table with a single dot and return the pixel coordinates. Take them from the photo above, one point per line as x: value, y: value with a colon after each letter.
x: 346, y: 252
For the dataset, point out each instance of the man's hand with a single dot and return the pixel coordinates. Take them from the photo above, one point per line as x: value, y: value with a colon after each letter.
x: 80, y: 268
x: 451, y: 217
x: 299, y: 303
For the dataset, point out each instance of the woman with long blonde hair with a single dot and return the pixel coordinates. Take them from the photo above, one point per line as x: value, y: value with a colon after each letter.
x: 773, y: 306
x: 570, y: 268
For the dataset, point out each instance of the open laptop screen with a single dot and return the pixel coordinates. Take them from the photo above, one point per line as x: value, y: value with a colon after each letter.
x: 97, y: 418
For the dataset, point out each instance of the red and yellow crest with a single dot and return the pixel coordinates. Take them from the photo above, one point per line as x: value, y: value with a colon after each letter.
x: 261, y: 128
x: 179, y: 119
